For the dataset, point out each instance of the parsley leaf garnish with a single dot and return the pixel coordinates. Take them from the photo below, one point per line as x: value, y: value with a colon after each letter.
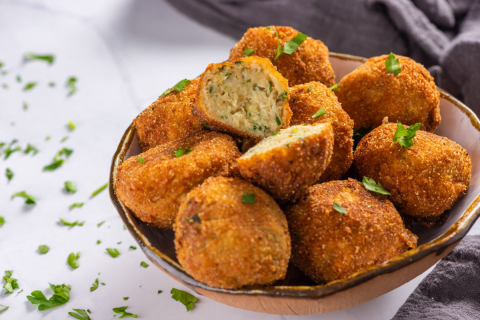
x: 248, y: 198
x: 94, y: 285
x: 94, y: 193
x: 61, y: 296
x: 178, y: 87
x: 79, y: 314
x: 71, y: 224
x: 58, y: 159
x: 133, y: 248
x: 403, y: 136
x: 393, y: 64
x: 2, y: 221
x: 124, y: 313
x: 76, y: 205
x: 248, y: 51
x: 339, y: 208
x: 159, y: 291
x: 144, y: 264
x: 291, y: 45
x: 113, y: 252
x: 43, y: 249
x: 319, y: 113
x: 141, y: 160
x: 30, y: 148
x: 29, y: 86
x: 370, y: 185
x: 334, y: 87
x: 184, y: 297
x: 284, y: 95
x: 71, y: 85
x: 71, y: 125
x: 29, y: 199
x: 277, y: 119
x: 9, y: 174
x: 49, y: 58
x: 10, y: 283
x: 70, y: 187
x: 100, y: 223
x: 181, y: 151
x: 73, y: 260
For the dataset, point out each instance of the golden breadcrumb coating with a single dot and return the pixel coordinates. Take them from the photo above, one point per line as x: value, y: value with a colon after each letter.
x: 224, y: 242
x: 370, y: 93
x: 286, y: 164
x: 154, y: 189
x: 309, y: 62
x: 328, y: 245
x: 425, y: 179
x: 305, y: 101
x: 169, y: 118
x: 248, y: 98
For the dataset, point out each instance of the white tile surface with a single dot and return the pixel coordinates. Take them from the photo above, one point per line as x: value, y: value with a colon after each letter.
x: 124, y: 54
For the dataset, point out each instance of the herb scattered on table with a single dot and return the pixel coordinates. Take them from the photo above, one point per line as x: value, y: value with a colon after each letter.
x: 61, y: 295
x: 43, y: 249
x: 185, y: 298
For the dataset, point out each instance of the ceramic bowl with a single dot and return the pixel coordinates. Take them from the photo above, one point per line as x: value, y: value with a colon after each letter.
x: 296, y: 294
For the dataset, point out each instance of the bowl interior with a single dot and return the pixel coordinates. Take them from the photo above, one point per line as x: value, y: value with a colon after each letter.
x: 458, y: 124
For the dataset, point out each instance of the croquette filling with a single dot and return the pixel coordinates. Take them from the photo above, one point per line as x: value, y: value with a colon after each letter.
x: 246, y: 97
x: 284, y: 138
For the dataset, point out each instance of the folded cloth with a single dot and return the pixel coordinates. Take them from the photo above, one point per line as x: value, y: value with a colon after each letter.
x: 444, y: 35
x: 452, y: 290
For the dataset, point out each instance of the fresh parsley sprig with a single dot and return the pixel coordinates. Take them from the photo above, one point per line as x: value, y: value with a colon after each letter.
x: 291, y: 45
x: 184, y: 297
x: 178, y: 87
x: 10, y: 283
x: 403, y: 136
x: 371, y: 185
x: 61, y: 295
x: 393, y: 64
x: 339, y: 208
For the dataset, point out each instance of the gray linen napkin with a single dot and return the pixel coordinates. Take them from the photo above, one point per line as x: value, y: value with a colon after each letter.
x: 452, y: 290
x: 444, y: 35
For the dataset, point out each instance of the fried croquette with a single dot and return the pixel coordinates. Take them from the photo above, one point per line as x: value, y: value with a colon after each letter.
x: 370, y: 93
x: 229, y: 234
x: 309, y: 62
x: 425, y: 179
x: 169, y: 118
x: 307, y: 101
x: 152, y: 184
x: 340, y: 228
x: 287, y: 163
x: 247, y: 97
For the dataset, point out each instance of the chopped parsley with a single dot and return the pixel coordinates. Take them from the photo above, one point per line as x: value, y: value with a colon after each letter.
x: 284, y: 95
x: 70, y: 187
x: 10, y: 283
x: 339, y: 208
x: 9, y: 149
x: 100, y: 224
x: 49, y: 58
x: 403, y: 136
x: 29, y: 86
x: 61, y: 295
x: 319, y: 113
x: 76, y: 205
x: 9, y: 174
x: 211, y: 89
x: 99, y: 242
x: 144, y: 264
x: 94, y: 193
x: 178, y: 87
x: 43, y: 249
x: 248, y: 51
x: 29, y: 199
x: 184, y: 297
x: 30, y: 149
x: 64, y: 139
x: 25, y: 106
x: 113, y: 252
x: 291, y: 45
x: 58, y: 159
x: 393, y: 64
x: 71, y: 85
x: 125, y: 298
x: 51, y: 84
x: 141, y: 160
x: 370, y: 185
x: 124, y: 313
x: 71, y: 125
x: 79, y: 314
x: 334, y: 87
x: 159, y: 291
x: 73, y: 260
x: 248, y: 198
x: 181, y: 151
x: 133, y: 248
x: 94, y: 285
x: 71, y: 224
x: 278, y: 120
x: 2, y: 221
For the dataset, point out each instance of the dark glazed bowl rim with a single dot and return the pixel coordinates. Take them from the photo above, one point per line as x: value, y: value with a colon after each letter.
x: 454, y: 234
